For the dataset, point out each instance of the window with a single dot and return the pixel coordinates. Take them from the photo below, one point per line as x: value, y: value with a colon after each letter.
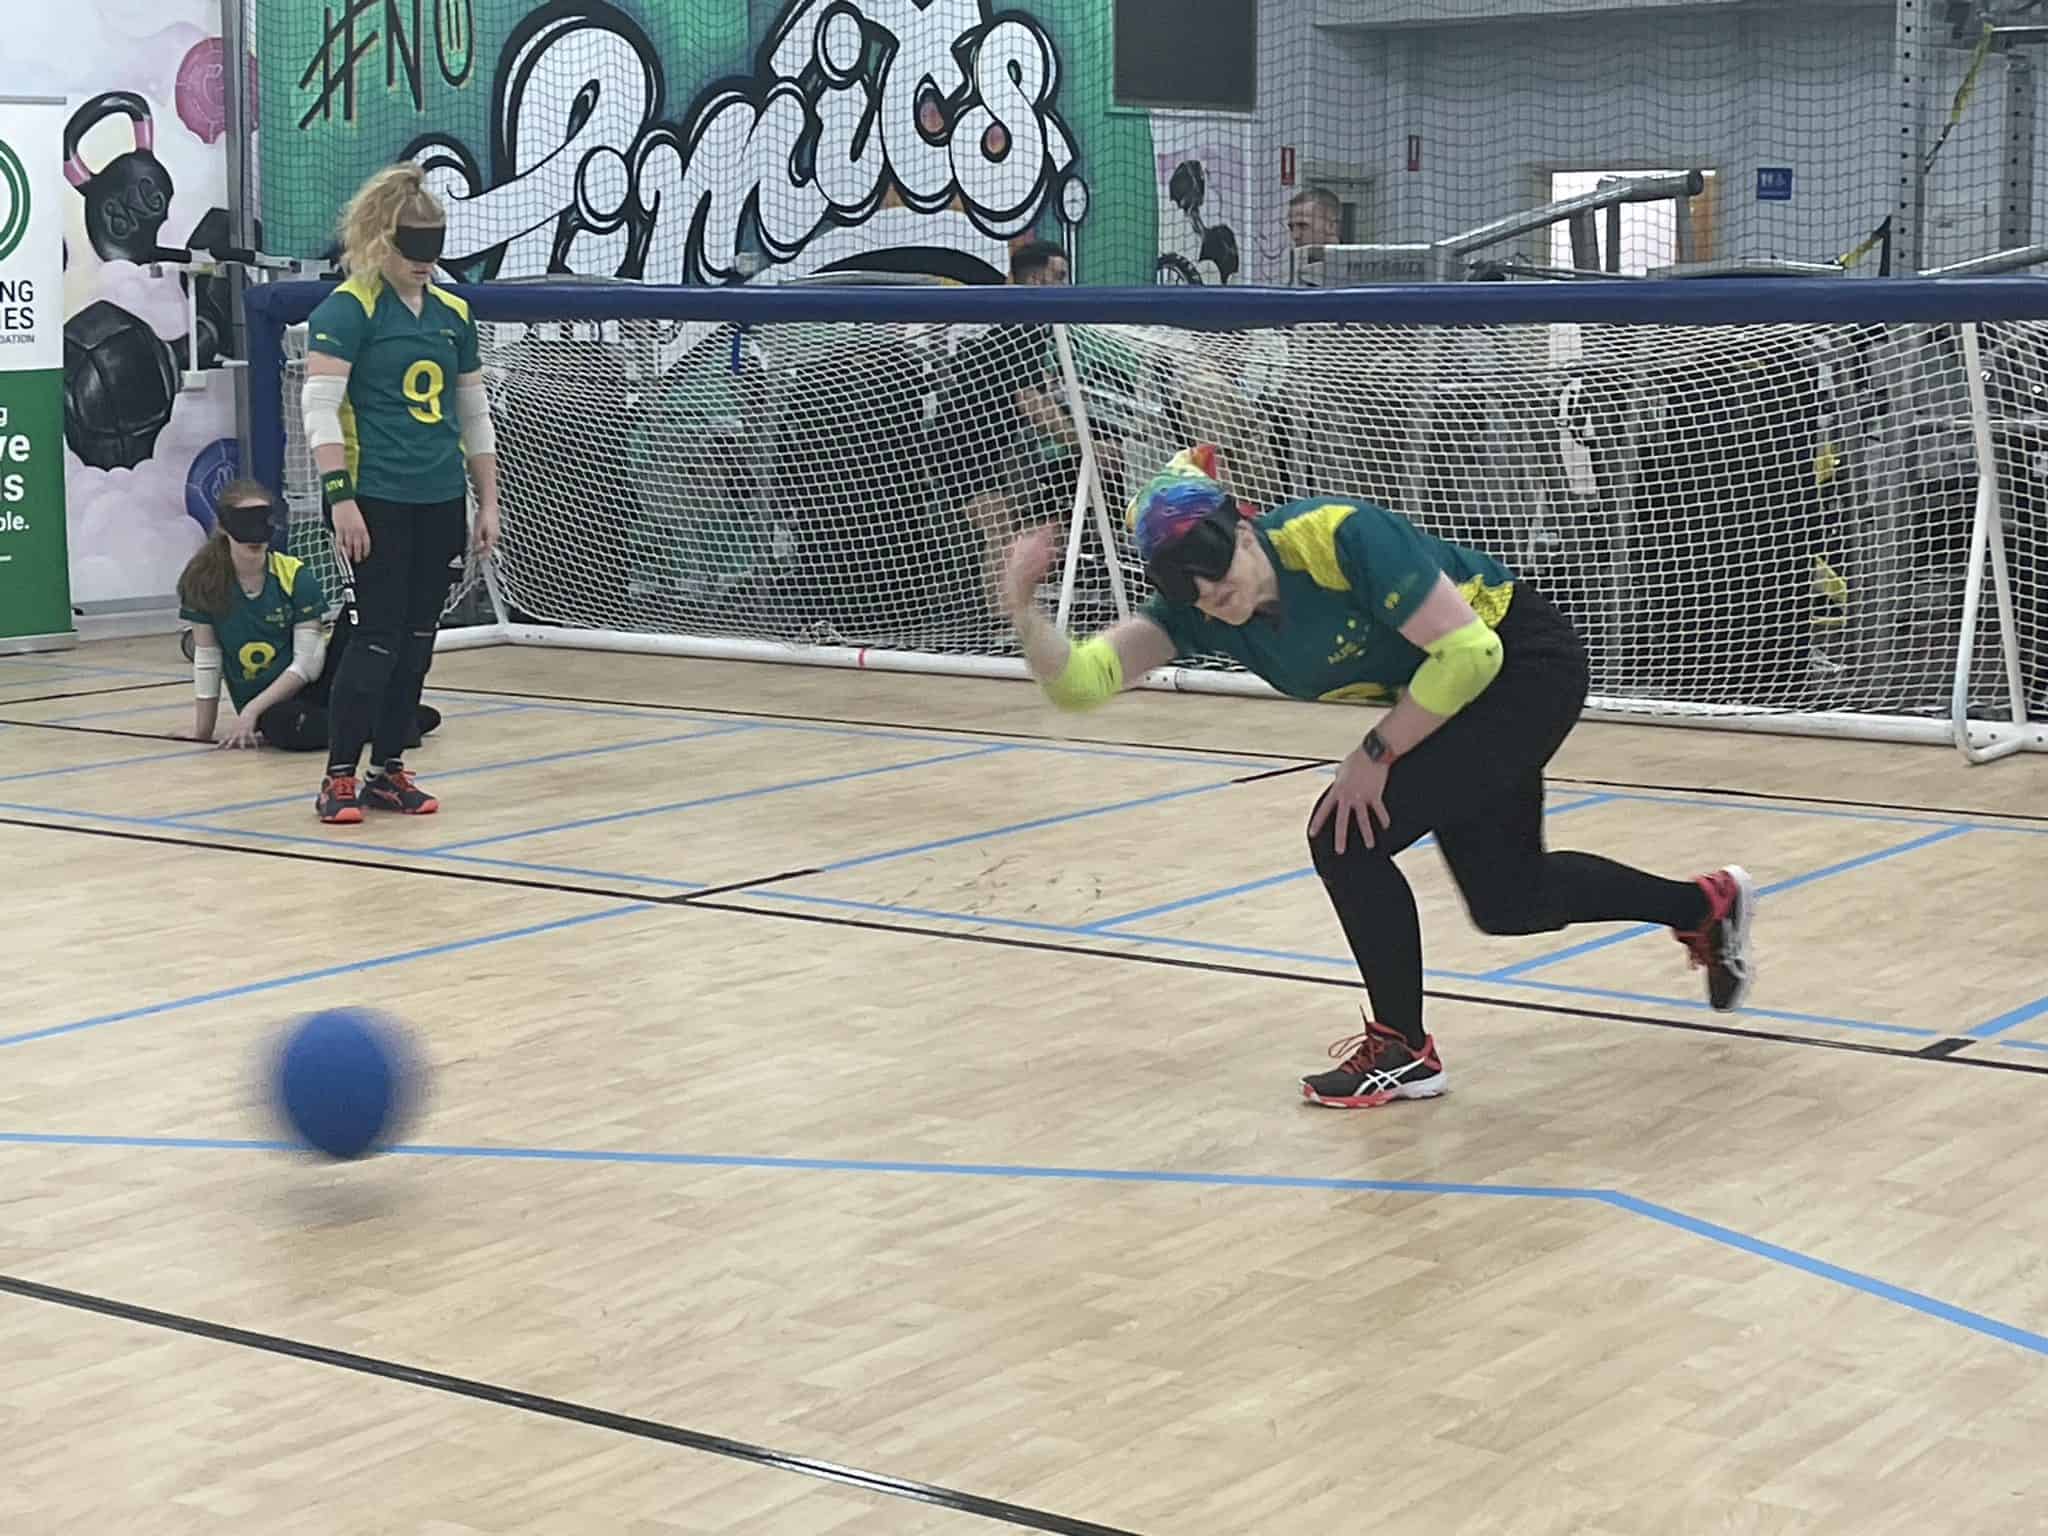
x: 1197, y: 55
x: 1649, y: 231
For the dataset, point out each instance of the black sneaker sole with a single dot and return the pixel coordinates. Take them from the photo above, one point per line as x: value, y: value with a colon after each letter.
x: 1434, y: 1086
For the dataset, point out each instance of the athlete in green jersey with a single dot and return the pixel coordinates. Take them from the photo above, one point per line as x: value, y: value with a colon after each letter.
x: 399, y: 424
x: 1336, y: 598
x: 258, y: 620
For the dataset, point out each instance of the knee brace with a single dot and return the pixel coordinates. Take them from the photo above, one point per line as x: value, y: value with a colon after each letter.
x: 419, y: 653
x: 371, y: 660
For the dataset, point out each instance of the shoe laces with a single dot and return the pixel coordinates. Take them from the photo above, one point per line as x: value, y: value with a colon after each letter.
x: 1360, y: 1053
x: 397, y: 778
x: 342, y: 786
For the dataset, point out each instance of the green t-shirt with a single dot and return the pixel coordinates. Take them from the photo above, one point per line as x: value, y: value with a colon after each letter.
x: 404, y: 442
x: 1351, y: 574
x: 256, y: 632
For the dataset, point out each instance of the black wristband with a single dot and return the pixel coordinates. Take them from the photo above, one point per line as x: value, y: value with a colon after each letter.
x: 1375, y: 747
x: 337, y: 486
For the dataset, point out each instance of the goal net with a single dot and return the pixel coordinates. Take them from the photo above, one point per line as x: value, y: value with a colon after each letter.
x: 1753, y: 520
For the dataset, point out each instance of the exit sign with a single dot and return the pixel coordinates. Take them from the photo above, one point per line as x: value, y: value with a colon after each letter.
x: 1774, y: 183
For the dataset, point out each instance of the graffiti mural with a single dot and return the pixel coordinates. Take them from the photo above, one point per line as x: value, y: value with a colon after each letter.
x: 653, y: 141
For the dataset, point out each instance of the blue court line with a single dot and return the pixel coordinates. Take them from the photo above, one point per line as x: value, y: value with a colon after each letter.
x: 1337, y: 962
x: 40, y: 660
x: 719, y: 799
x: 516, y: 762
x: 339, y: 842
x: 1883, y: 1290
x: 1970, y: 823
x: 195, y: 749
x: 1663, y: 1215
x: 1639, y: 930
x: 1107, y: 924
x: 2005, y: 1021
x: 375, y: 962
x: 184, y: 706
x: 1035, y: 824
x: 883, y: 733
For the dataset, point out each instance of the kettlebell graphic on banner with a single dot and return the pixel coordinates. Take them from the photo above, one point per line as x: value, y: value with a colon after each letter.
x: 128, y: 199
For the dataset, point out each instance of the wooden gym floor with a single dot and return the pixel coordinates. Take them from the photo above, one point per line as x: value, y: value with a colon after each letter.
x: 867, y: 1104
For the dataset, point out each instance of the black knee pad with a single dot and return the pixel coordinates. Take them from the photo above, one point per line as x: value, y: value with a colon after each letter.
x: 373, y: 656
x: 419, y: 654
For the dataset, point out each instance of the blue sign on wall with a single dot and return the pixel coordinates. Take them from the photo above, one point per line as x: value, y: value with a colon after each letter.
x: 1774, y: 183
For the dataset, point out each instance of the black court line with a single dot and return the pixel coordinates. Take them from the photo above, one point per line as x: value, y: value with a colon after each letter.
x: 82, y: 693
x: 1281, y: 773
x: 1295, y: 758
x: 91, y: 730
x: 1763, y: 794
x: 706, y: 900
x: 558, y: 1408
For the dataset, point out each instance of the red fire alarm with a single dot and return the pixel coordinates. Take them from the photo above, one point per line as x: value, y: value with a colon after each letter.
x: 1287, y: 165
x: 1414, y: 151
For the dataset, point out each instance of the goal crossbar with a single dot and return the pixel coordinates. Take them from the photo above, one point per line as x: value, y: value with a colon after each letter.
x: 1800, y: 506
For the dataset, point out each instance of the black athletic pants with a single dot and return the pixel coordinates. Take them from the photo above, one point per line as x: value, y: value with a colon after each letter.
x: 302, y: 722
x: 1477, y: 783
x: 401, y: 586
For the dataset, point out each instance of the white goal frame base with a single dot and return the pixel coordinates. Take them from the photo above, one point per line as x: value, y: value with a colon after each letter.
x: 1978, y: 740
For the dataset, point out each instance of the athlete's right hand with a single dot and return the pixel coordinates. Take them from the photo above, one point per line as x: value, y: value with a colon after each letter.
x: 351, y: 533
x: 1025, y: 567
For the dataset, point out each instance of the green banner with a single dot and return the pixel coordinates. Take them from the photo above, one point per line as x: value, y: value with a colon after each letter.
x: 35, y: 583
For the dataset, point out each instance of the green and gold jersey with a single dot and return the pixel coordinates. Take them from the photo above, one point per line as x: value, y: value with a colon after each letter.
x: 256, y: 632
x: 1351, y: 574
x: 404, y: 443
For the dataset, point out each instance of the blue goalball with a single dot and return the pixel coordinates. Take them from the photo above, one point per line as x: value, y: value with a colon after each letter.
x: 344, y: 1082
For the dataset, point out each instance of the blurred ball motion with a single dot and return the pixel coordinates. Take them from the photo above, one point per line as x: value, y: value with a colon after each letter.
x: 345, y: 1082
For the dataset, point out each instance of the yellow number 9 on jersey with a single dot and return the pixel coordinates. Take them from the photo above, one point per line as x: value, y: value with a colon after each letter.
x: 423, y: 384
x: 255, y: 658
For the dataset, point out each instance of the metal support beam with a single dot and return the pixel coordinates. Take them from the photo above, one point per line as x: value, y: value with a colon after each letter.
x: 240, y: 126
x: 1914, y: 52
x: 2016, y: 195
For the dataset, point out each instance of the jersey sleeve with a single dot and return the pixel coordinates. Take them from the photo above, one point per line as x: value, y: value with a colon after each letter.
x: 337, y: 327
x: 309, y: 601
x: 1391, y: 567
x: 469, y: 357
x: 193, y: 616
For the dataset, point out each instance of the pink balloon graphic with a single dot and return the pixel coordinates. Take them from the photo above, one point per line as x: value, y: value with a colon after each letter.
x: 202, y: 89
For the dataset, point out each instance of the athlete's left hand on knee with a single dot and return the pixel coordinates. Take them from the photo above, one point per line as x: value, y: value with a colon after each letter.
x: 1359, y: 791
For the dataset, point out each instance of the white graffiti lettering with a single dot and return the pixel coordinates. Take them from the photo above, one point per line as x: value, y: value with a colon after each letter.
x: 937, y: 106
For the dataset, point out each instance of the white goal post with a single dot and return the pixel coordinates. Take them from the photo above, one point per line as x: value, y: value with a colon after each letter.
x: 1799, y: 506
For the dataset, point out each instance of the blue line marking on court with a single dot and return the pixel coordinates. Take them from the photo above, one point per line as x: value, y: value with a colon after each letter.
x: 40, y: 660
x: 1701, y: 1005
x: 194, y: 749
x: 1639, y: 930
x: 884, y: 733
x: 1286, y: 877
x: 2005, y: 1021
x: 1035, y: 824
x: 324, y: 973
x: 516, y: 762
x: 1774, y: 1253
x: 1976, y: 1322
x: 722, y: 799
x: 1107, y: 924
x: 343, y: 843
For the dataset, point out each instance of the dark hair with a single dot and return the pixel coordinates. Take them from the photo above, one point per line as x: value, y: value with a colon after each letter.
x: 1032, y: 258
x: 207, y: 584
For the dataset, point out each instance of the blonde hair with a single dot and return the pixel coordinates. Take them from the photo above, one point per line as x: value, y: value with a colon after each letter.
x: 395, y: 195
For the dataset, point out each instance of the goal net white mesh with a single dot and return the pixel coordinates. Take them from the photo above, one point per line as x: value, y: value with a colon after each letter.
x: 1740, y: 519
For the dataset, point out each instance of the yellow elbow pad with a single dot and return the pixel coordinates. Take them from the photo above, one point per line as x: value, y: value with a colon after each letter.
x: 1459, y: 667
x: 1094, y: 675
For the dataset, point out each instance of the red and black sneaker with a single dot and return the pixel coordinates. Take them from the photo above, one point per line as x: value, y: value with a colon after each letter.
x: 1720, y: 944
x: 1381, y: 1067
x: 337, y: 801
x: 394, y: 789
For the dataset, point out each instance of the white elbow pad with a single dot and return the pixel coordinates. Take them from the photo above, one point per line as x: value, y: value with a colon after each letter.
x: 473, y: 410
x: 309, y: 652
x: 321, y: 401
x: 206, y: 671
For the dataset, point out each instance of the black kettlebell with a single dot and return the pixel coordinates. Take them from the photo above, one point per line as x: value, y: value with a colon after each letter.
x: 127, y: 201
